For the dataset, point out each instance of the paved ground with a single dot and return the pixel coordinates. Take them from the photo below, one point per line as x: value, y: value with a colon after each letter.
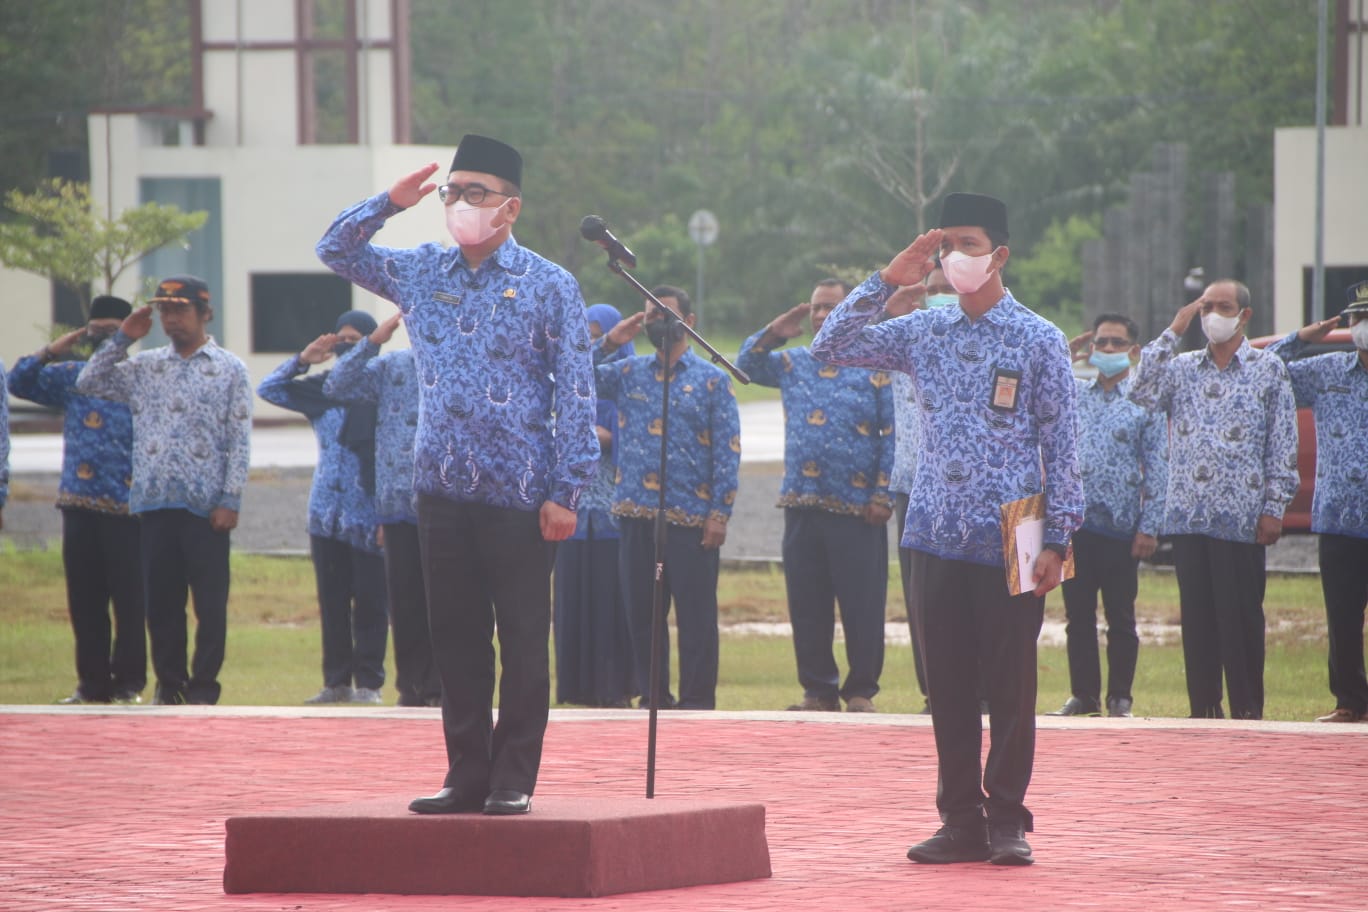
x: 104, y: 810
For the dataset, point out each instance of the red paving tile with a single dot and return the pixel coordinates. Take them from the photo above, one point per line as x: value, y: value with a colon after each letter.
x: 126, y: 810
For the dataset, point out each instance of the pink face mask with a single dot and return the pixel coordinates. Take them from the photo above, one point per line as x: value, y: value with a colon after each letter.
x: 968, y: 274
x: 471, y: 226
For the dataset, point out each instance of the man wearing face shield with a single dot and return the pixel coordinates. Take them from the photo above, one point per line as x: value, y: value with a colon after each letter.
x: 1335, y: 387
x: 996, y: 398
x: 1232, y: 473
x: 501, y: 344
x: 100, y: 540
x: 348, y: 566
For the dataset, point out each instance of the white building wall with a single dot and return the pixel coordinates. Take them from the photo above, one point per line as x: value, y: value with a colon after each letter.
x: 277, y: 197
x: 1294, y: 201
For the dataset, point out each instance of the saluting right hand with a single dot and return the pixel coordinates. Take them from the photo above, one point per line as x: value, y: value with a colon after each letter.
x: 915, y: 262
x: 1318, y: 330
x: 62, y: 345
x: 138, y: 323
x: 626, y: 329
x: 789, y: 324
x: 411, y: 188
x: 385, y: 331
x: 1185, y: 316
x: 905, y: 300
x: 319, y: 350
x: 1078, y: 346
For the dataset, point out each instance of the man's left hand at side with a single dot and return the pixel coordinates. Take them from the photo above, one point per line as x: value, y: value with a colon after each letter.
x: 1049, y: 569
x: 557, y: 522
x: 714, y: 534
x: 1269, y: 530
x: 222, y: 519
x: 877, y: 514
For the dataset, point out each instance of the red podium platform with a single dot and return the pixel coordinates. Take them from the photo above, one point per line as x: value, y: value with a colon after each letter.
x: 565, y: 847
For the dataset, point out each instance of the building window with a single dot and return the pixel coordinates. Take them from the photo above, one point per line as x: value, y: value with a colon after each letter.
x: 291, y: 309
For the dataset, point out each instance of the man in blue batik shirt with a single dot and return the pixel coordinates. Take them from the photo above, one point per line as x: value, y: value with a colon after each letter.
x: 389, y: 382
x: 1335, y: 387
x: 101, y: 554
x: 1232, y: 473
x: 1123, y: 452
x: 501, y: 345
x: 838, y: 455
x: 997, y: 399
x: 349, y: 572
x: 192, y: 423
x: 703, y: 459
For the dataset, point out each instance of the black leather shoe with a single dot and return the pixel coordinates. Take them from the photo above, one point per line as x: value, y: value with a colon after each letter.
x: 507, y: 801
x: 1119, y: 707
x: 1076, y: 707
x: 952, y: 844
x: 1008, y: 846
x: 447, y: 801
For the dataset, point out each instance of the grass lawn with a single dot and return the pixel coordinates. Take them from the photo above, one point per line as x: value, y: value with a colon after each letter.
x: 273, y: 641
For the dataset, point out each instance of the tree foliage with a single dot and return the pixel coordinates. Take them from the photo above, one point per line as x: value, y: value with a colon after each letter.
x: 62, y: 237
x: 818, y: 131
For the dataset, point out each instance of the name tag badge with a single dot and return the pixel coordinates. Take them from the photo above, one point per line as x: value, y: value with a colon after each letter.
x: 445, y: 298
x: 1006, y: 383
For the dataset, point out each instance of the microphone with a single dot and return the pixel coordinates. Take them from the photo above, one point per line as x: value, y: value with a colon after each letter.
x: 593, y: 228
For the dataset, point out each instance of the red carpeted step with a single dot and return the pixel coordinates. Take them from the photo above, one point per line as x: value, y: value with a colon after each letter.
x: 565, y: 847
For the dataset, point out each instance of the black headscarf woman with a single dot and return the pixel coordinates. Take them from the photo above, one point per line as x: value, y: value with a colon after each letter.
x: 358, y: 426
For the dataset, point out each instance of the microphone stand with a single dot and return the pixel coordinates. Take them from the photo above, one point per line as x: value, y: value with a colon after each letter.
x: 658, y: 594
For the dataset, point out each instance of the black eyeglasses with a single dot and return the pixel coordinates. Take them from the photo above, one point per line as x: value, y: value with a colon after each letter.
x: 1112, y: 342
x: 471, y: 193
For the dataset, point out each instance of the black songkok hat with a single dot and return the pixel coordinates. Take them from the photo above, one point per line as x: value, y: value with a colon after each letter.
x: 107, y: 307
x: 975, y: 209
x: 488, y: 156
x: 186, y: 289
x: 1358, y: 299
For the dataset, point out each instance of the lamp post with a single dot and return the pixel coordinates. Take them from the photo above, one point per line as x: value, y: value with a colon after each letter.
x: 703, y: 230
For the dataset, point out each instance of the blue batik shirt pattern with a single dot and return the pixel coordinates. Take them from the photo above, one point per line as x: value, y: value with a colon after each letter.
x: 97, y: 435
x: 595, y: 518
x: 703, y: 452
x: 1232, y: 436
x: 390, y: 381
x: 1123, y: 453
x: 838, y: 428
x: 974, y: 458
x: 4, y: 442
x: 906, y: 433
x: 1335, y: 387
x: 339, y: 507
x: 487, y: 344
x: 192, y: 422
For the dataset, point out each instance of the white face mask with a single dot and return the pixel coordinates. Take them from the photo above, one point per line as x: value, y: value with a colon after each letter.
x: 1359, y: 333
x: 1219, y: 329
x: 471, y: 226
x: 968, y: 274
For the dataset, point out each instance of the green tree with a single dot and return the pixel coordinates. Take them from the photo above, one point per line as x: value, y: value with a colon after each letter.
x: 61, y: 236
x: 1049, y: 278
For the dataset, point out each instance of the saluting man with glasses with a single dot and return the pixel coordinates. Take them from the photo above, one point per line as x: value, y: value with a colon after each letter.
x: 501, y: 345
x: 1232, y: 473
